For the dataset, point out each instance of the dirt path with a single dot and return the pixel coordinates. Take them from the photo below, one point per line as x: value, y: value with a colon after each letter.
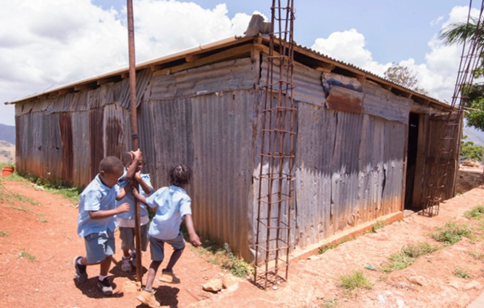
x: 46, y: 231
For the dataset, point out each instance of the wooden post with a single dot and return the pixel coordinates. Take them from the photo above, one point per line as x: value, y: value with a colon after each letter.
x: 134, y: 132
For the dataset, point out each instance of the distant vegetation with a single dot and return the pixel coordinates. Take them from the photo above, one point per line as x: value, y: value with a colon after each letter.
x: 468, y: 150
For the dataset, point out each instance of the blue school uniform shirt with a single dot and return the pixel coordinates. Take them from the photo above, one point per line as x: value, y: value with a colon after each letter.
x: 96, y: 197
x: 129, y: 198
x: 173, y: 204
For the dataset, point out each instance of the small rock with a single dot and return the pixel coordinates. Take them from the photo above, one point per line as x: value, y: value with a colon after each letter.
x: 230, y: 282
x: 418, y: 280
x: 274, y: 287
x: 473, y: 285
x: 213, y: 285
x: 455, y: 284
x: 130, y: 286
x: 312, y: 258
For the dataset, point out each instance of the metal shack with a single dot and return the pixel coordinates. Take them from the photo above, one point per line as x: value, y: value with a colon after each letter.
x: 363, y: 148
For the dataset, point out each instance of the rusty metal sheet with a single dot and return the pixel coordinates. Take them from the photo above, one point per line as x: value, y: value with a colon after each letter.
x: 343, y: 99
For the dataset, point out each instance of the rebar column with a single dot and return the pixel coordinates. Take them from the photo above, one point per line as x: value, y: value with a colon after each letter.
x: 276, y: 174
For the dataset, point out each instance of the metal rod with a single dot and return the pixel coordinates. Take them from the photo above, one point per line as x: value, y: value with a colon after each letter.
x: 134, y: 132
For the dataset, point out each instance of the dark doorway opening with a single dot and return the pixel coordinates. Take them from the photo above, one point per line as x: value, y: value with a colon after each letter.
x: 411, y: 159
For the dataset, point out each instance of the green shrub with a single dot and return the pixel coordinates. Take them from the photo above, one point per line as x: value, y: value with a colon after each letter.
x: 378, y: 225
x: 355, y: 280
x: 407, y: 256
x: 475, y: 213
x: 26, y: 255
x: 451, y: 233
x: 462, y: 273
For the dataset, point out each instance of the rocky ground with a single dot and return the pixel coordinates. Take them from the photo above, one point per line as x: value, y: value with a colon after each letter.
x: 38, y: 242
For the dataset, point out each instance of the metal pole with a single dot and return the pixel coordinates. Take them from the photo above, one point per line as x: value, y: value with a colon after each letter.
x: 134, y: 131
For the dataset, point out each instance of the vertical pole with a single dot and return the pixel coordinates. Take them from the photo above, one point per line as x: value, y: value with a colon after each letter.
x: 134, y: 132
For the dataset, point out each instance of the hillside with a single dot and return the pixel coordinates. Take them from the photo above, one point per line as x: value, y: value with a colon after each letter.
x: 7, y: 133
x: 7, y: 152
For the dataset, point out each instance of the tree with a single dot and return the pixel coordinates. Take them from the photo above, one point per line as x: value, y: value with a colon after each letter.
x: 402, y: 75
x: 459, y: 33
x: 470, y: 151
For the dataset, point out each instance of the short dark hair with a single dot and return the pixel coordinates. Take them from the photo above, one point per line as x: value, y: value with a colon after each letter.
x: 180, y: 174
x: 127, y: 158
x: 110, y: 164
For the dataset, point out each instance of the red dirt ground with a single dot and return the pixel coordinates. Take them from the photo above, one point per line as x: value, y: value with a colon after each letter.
x: 47, y: 231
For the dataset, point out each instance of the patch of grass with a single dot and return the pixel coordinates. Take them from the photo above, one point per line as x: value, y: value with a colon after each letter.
x: 378, y: 225
x: 419, y: 249
x: 3, y: 233
x: 476, y: 254
x: 54, y: 185
x: 42, y: 220
x: 18, y: 208
x: 325, y: 248
x: 25, y: 199
x: 451, y: 233
x: 407, y: 256
x: 23, y: 209
x: 26, y: 255
x: 462, y: 273
x: 331, y: 302
x: 222, y: 255
x: 355, y: 280
x: 475, y: 213
x: 398, y: 261
x: 237, y: 267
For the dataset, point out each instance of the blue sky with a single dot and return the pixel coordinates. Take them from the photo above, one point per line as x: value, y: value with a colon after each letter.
x: 49, y: 43
x: 393, y: 30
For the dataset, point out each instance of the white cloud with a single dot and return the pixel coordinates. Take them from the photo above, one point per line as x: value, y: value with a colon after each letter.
x: 349, y: 46
x: 41, y: 47
x: 44, y: 47
x: 437, y: 75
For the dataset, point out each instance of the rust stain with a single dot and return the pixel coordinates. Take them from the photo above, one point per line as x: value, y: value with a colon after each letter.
x: 96, y: 139
x: 65, y: 125
x: 342, y: 99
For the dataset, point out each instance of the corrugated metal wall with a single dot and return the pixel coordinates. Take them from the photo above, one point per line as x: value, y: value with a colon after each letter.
x: 349, y: 166
x: 65, y: 138
x: 203, y: 117
x: 349, y: 170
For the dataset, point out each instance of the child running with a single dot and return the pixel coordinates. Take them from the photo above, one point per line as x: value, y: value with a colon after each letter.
x: 126, y: 220
x: 172, y: 205
x: 96, y: 223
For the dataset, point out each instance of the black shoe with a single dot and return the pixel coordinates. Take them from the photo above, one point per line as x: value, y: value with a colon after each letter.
x: 81, y: 274
x: 105, y: 287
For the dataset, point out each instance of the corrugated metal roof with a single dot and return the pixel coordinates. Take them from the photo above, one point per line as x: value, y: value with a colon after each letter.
x: 226, y: 43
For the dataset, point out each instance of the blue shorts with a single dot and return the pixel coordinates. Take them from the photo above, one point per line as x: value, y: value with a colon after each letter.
x: 98, y: 246
x: 157, y: 246
x: 127, y: 238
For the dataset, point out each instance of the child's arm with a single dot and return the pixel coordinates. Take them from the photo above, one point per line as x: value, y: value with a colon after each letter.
x: 108, y: 213
x: 146, y: 187
x: 194, y: 239
x: 134, y: 165
x: 139, y: 197
x: 124, y: 191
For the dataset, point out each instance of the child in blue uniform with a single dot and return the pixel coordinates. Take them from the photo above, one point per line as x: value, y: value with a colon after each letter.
x: 96, y: 222
x: 125, y: 220
x: 172, y: 205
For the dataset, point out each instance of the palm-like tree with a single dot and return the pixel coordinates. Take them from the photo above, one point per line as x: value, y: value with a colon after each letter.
x: 460, y: 32
x: 470, y: 33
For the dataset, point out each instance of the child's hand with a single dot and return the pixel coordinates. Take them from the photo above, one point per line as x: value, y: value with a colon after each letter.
x: 137, y: 176
x: 123, y: 208
x: 134, y: 191
x: 195, y: 240
x: 137, y: 154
